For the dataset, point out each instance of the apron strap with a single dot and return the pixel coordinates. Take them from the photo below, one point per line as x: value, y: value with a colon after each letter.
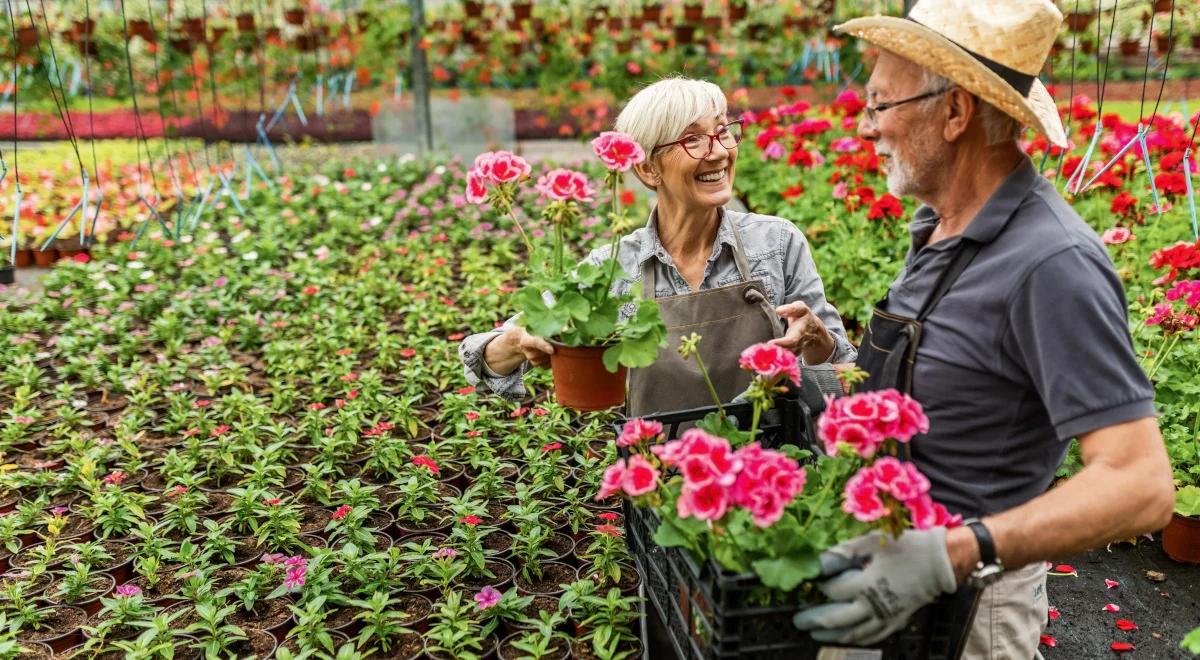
x: 966, y: 252
x: 739, y: 253
x: 649, y: 279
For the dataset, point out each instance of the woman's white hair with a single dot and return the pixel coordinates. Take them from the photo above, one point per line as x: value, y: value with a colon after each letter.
x: 660, y: 112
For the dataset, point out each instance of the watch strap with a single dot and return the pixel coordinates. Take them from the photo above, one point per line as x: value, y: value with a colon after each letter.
x: 987, y: 547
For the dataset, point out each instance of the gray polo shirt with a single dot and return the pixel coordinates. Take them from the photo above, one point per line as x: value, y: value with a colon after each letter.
x: 1029, y: 348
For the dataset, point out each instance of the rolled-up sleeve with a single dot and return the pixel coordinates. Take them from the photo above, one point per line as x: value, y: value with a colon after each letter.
x: 802, y: 282
x: 471, y: 352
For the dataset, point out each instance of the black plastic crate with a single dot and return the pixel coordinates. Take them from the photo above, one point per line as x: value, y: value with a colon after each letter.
x: 712, y: 614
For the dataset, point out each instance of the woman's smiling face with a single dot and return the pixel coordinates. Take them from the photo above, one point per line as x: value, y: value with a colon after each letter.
x: 704, y: 183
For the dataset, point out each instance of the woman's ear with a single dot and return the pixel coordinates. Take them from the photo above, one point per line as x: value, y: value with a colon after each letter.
x: 647, y: 174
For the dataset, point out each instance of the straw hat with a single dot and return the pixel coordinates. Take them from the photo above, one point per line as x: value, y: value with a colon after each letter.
x: 994, y: 50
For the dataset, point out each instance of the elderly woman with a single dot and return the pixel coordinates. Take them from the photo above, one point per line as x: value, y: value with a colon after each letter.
x: 730, y: 277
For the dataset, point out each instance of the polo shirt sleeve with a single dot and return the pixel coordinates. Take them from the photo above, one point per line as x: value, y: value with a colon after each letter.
x: 1069, y: 333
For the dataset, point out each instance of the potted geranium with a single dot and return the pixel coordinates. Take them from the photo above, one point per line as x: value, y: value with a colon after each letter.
x: 596, y: 335
x: 1181, y: 537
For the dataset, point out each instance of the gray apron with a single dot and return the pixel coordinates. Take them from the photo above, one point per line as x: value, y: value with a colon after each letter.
x: 729, y: 319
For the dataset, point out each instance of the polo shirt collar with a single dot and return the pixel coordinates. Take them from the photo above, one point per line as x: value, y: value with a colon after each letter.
x: 995, y: 214
x: 652, y: 247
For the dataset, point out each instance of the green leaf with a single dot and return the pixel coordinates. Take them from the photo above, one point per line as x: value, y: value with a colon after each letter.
x: 1187, y: 501
x: 573, y: 305
x: 633, y: 352
x: 1191, y: 643
x: 787, y: 573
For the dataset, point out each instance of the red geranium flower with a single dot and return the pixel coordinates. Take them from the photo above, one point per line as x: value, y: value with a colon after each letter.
x: 885, y: 206
x: 427, y: 463
x: 342, y: 512
x: 470, y: 520
x: 1124, y: 204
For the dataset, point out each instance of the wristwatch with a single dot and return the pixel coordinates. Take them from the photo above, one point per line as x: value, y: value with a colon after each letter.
x: 990, y: 568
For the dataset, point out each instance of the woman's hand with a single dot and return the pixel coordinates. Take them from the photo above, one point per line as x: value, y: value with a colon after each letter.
x: 806, y: 334
x: 505, y: 353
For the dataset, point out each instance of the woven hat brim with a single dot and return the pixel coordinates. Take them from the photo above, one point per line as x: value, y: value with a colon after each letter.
x: 918, y: 43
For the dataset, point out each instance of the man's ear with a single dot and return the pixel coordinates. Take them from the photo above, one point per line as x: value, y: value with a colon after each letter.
x: 962, y: 106
x: 647, y: 174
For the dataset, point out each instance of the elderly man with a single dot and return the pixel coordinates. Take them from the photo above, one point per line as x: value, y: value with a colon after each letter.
x: 1008, y: 323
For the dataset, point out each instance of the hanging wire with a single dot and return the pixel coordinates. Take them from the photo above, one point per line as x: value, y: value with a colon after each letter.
x: 212, y: 81
x: 260, y: 54
x: 16, y: 156
x: 187, y: 151
x: 1070, y: 104
x: 199, y: 101
x: 139, y: 127
x: 87, y: 72
x: 1102, y: 82
x: 1166, y: 60
x: 64, y: 112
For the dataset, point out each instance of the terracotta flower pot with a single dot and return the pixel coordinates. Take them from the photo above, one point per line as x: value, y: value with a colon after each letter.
x: 245, y: 22
x: 1181, y: 539
x: 24, y: 257
x: 1130, y: 47
x: 294, y: 16
x: 580, y: 380
x: 45, y: 258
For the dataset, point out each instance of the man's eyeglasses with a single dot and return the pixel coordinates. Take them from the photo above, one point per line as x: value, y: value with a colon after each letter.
x: 874, y: 110
x: 700, y: 145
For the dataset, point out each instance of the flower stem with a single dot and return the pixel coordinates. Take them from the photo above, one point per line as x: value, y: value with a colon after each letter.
x: 708, y: 381
x: 615, y: 245
x: 1167, y: 344
x: 524, y: 236
x: 754, y: 420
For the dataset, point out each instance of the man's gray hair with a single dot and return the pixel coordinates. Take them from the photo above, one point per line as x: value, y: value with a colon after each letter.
x: 997, y: 126
x: 660, y: 112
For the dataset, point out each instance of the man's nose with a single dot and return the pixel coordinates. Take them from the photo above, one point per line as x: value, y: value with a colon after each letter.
x: 867, y: 129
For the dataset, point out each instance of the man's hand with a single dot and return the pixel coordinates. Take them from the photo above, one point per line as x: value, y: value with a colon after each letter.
x: 876, y: 583
x: 805, y: 334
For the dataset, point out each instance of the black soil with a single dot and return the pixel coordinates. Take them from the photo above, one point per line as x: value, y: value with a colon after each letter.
x: 1163, y: 611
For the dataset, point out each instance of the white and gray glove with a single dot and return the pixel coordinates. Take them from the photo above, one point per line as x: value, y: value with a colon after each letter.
x: 876, y: 583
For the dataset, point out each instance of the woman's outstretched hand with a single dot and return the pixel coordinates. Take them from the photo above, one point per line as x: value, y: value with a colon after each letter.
x: 806, y: 334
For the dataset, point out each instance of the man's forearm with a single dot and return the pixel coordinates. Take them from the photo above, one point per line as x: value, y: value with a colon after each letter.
x: 1123, y: 491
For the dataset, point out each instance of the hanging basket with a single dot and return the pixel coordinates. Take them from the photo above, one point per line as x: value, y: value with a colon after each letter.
x: 294, y: 16
x: 27, y: 36
x: 183, y: 44
x: 522, y: 10
x: 1078, y: 22
x: 193, y: 27
x: 245, y: 22
x: 141, y: 28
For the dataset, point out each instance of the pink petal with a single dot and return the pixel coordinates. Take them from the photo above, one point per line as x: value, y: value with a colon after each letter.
x: 1053, y: 612
x: 1048, y: 640
x: 1122, y: 646
x: 1111, y: 583
x: 1126, y: 624
x: 1112, y: 607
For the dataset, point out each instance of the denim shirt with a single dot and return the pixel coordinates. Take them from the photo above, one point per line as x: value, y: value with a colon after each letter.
x: 776, y: 251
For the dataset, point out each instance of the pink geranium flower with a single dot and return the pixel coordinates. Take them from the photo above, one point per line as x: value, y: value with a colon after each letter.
x: 477, y: 189
x: 295, y: 577
x: 708, y: 502
x: 501, y: 166
x: 610, y: 483
x: 771, y: 362
x: 637, y: 430
x: 865, y: 420
x: 618, y: 151
x: 127, y: 590
x: 445, y: 553
x: 640, y: 477
x: 563, y: 185
x: 862, y: 498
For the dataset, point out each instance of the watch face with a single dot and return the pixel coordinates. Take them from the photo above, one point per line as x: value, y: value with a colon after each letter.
x: 986, y: 575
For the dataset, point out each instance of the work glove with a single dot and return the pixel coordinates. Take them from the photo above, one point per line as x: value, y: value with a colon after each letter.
x: 876, y: 583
